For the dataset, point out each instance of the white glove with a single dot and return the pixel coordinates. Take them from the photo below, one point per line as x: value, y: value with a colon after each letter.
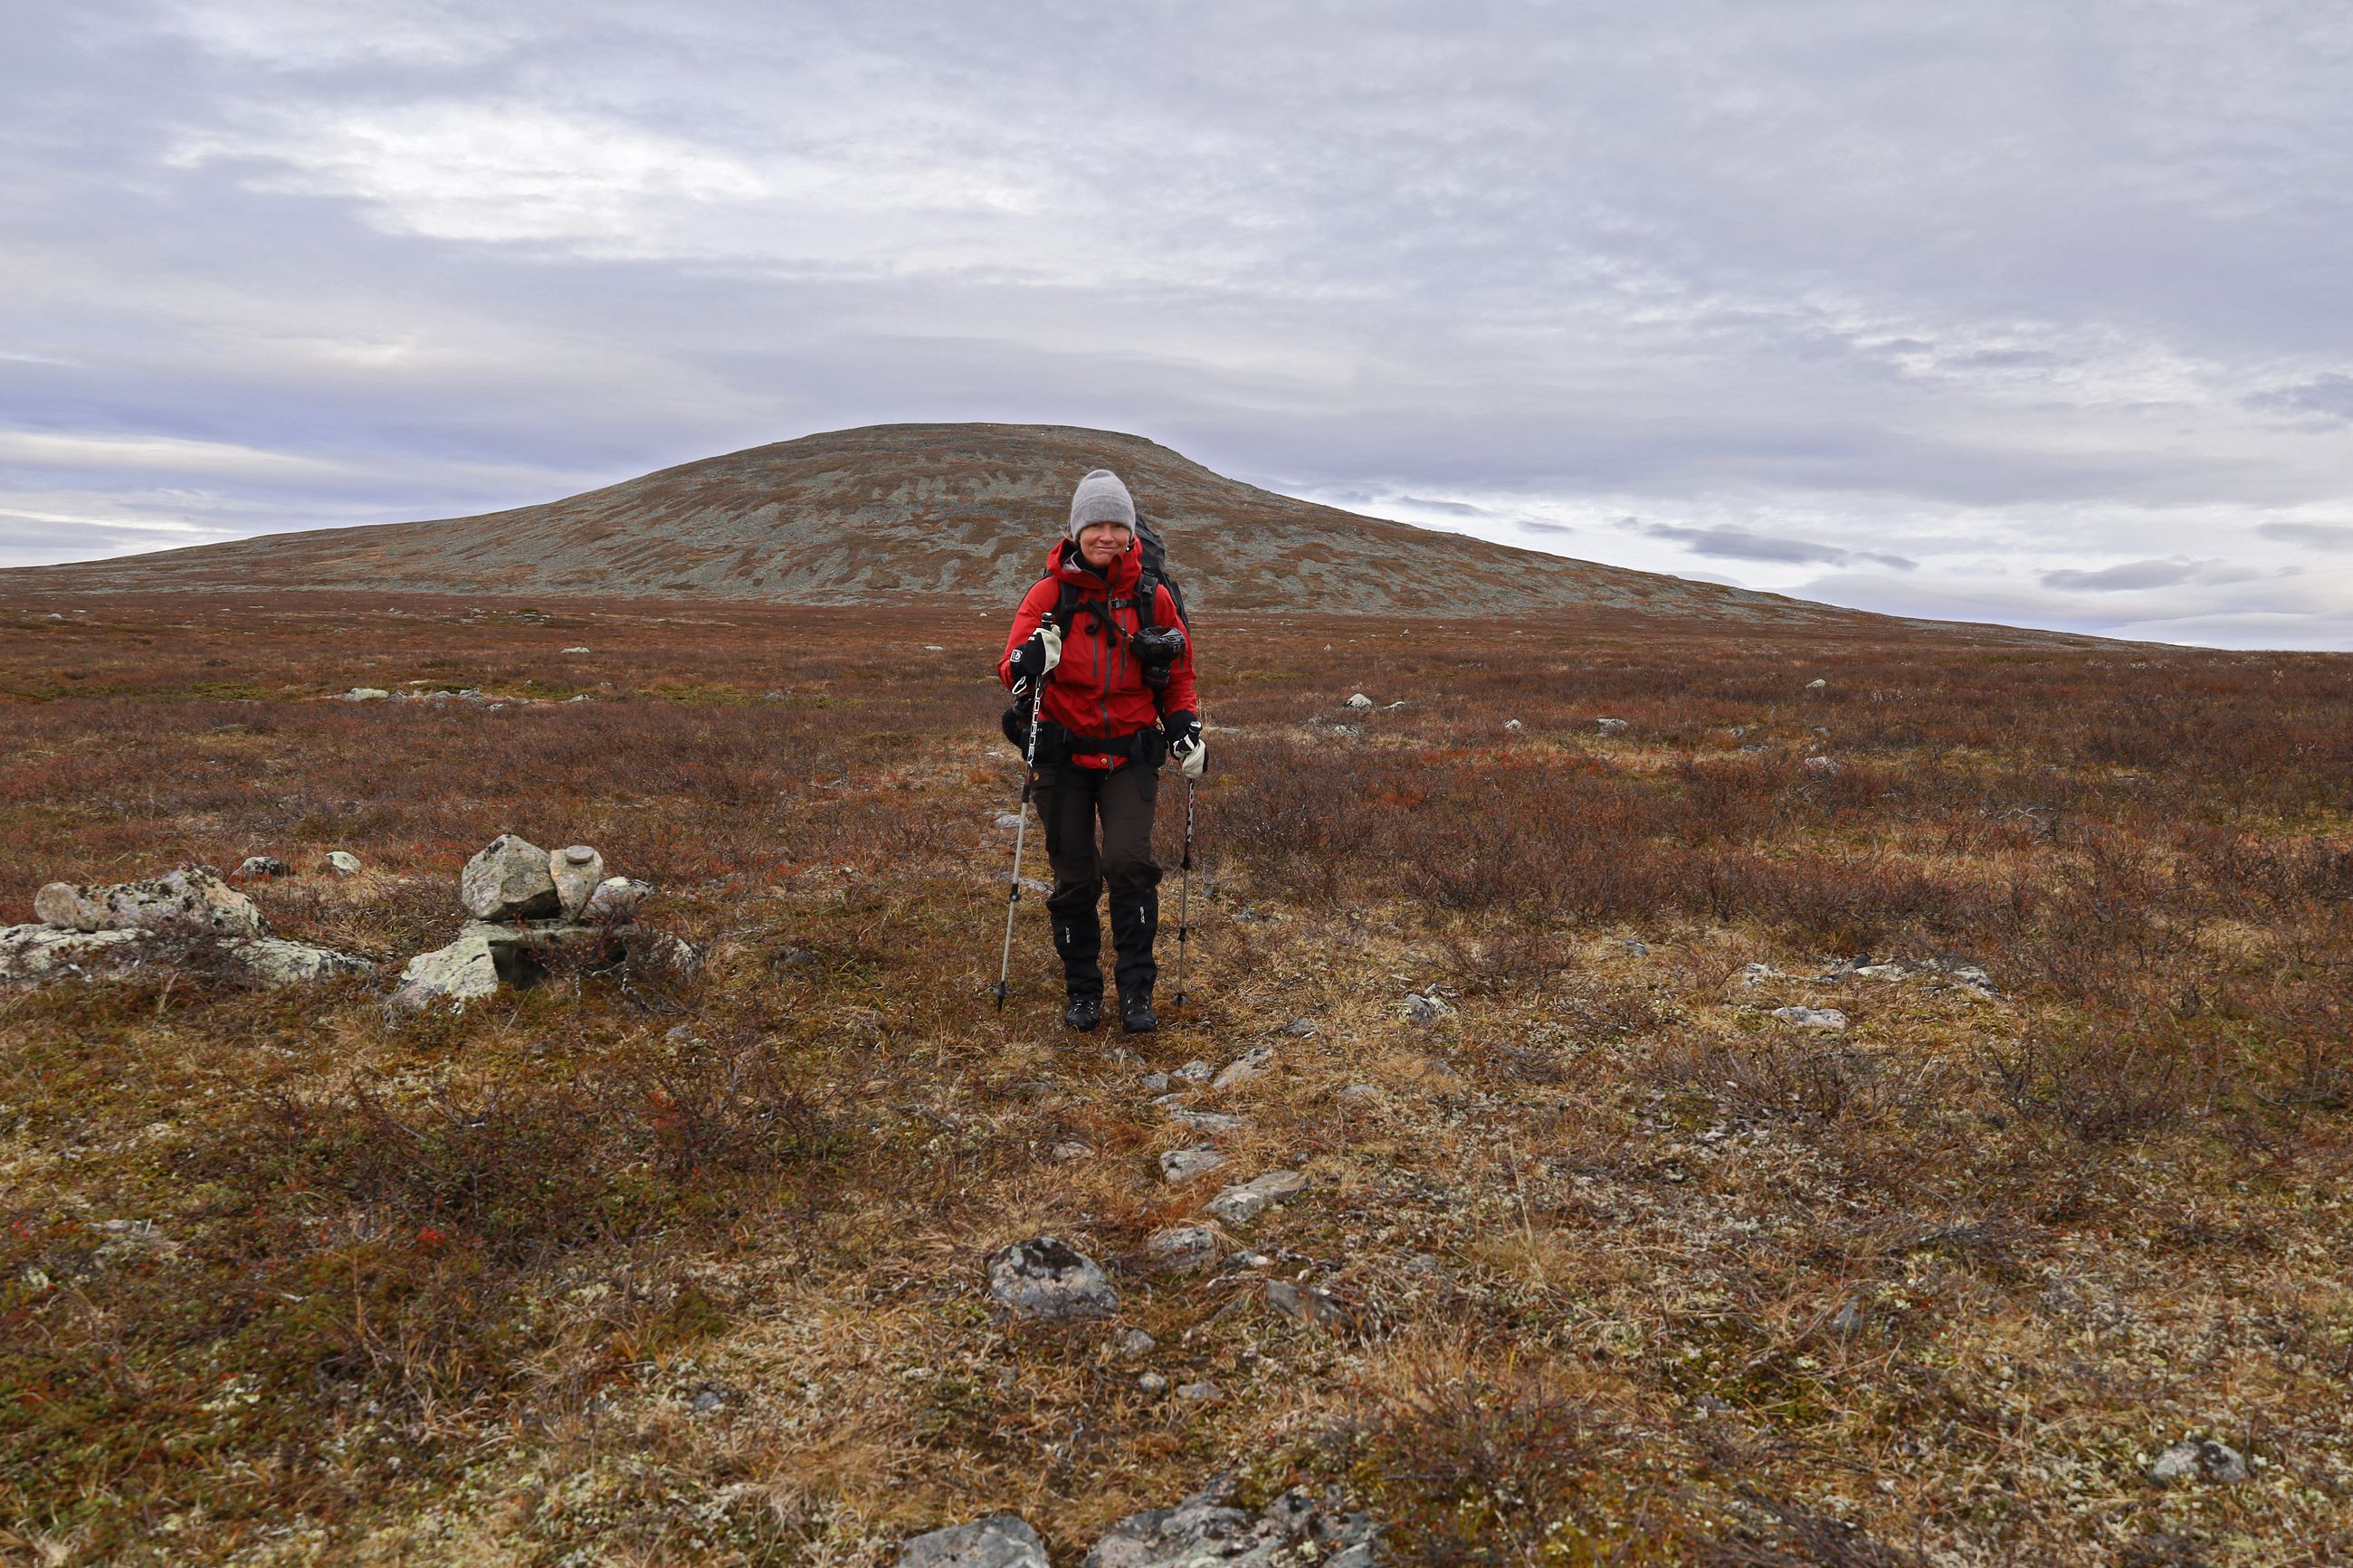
x: 1047, y: 641
x: 1192, y: 757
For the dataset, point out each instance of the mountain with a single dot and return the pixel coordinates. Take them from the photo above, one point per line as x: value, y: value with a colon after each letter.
x: 896, y: 513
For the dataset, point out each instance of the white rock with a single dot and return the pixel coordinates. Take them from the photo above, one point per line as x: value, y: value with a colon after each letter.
x: 189, y: 899
x: 1047, y: 1277
x: 275, y: 961
x: 456, y: 973
x: 1812, y: 1017
x: 1184, y: 1165
x: 343, y: 863
x: 1241, y: 1069
x: 1206, y: 1121
x: 31, y: 953
x: 1005, y: 1541
x: 1245, y: 1201
x: 2199, y: 1460
x: 617, y: 899
x: 1185, y: 1246
x: 577, y: 871
x: 508, y: 879
x: 1360, y: 702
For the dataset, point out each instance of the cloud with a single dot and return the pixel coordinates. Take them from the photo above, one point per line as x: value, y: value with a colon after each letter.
x: 1838, y: 295
x: 1741, y: 544
x: 2137, y: 575
x: 2319, y: 535
x: 2330, y: 397
x: 53, y: 449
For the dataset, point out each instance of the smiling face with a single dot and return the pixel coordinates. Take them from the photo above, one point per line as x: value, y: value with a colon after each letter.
x: 1105, y: 543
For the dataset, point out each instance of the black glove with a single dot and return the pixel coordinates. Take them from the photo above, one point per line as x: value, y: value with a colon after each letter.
x: 1183, y: 732
x: 1042, y: 653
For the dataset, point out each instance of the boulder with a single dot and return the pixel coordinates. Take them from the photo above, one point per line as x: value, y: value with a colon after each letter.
x: 31, y: 953
x: 1185, y: 1246
x: 342, y: 863
x: 1184, y: 1165
x: 578, y: 872
x: 1245, y: 1201
x: 1241, y: 1069
x: 2199, y: 1460
x: 617, y: 899
x: 1201, y: 1529
x: 1004, y: 1542
x: 276, y: 961
x: 189, y: 899
x: 456, y: 973
x: 508, y: 880
x: 1046, y: 1278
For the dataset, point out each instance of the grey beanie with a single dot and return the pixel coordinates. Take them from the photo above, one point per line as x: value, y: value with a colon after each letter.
x: 1100, y: 497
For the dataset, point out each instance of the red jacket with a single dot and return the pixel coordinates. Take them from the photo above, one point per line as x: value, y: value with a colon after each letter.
x: 1098, y: 687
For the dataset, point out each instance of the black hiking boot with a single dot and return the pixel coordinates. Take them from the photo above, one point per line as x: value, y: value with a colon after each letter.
x: 1083, y: 1014
x: 1136, y: 1015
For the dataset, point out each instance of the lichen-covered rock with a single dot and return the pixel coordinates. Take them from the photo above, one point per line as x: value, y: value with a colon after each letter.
x: 1185, y: 1247
x: 1005, y: 1541
x: 31, y: 953
x: 1184, y: 1165
x: 508, y: 880
x: 1245, y: 1201
x: 1047, y: 1277
x: 2199, y: 1460
x: 191, y: 899
x: 276, y: 961
x: 456, y: 975
x: 576, y: 870
x: 616, y: 899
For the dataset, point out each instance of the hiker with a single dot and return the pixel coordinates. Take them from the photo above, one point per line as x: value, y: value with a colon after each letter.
x: 1119, y: 700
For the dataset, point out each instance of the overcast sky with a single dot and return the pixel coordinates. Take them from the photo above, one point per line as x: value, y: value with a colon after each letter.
x: 2022, y: 311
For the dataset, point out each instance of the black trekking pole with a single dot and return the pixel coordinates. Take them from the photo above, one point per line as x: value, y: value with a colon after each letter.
x: 1185, y: 896
x: 1021, y: 830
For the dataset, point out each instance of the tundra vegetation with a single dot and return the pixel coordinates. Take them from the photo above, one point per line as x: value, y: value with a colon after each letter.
x: 1600, y: 1256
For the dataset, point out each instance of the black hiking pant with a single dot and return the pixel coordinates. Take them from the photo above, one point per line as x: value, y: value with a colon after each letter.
x: 1070, y: 800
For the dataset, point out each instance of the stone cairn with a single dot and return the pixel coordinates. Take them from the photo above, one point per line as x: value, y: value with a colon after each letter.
x: 526, y: 907
x: 120, y: 924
